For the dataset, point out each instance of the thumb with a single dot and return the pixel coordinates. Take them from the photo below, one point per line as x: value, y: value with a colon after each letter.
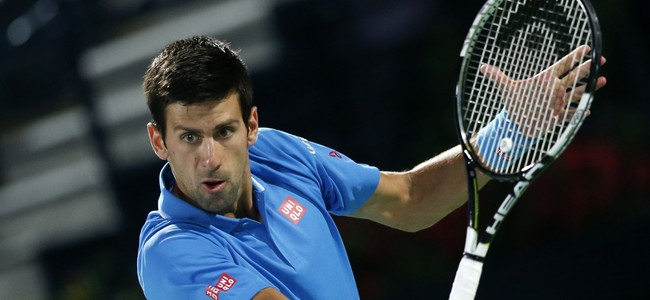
x: 495, y: 74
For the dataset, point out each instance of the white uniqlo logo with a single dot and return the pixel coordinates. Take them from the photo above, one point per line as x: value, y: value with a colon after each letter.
x: 291, y: 209
x: 225, y: 282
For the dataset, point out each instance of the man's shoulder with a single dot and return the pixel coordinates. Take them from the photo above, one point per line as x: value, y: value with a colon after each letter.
x: 270, y: 135
x: 271, y: 141
x: 278, y: 154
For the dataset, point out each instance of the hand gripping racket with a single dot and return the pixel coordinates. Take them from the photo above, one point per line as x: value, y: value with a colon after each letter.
x: 526, y: 84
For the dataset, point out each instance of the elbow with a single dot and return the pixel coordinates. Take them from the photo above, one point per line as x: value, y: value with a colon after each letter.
x: 413, y: 228
x: 417, y: 214
x: 413, y: 218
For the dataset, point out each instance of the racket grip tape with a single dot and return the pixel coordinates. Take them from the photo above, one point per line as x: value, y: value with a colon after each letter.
x: 467, y: 279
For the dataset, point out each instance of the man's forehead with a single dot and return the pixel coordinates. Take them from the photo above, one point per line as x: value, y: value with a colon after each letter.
x: 205, y: 113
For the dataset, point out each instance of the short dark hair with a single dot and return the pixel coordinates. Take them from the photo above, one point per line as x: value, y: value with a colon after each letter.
x: 195, y: 70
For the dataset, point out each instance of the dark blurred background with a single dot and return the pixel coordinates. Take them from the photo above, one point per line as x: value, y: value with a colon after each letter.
x: 372, y: 78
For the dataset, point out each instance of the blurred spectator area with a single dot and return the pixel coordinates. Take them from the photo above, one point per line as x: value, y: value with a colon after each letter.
x: 75, y: 168
x: 373, y: 79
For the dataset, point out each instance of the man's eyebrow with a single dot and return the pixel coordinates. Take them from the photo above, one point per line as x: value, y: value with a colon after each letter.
x: 184, y: 128
x: 227, y: 122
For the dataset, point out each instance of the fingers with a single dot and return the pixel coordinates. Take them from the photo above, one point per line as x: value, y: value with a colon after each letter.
x: 580, y: 72
x: 565, y: 64
x: 577, y: 92
x: 576, y: 74
x: 495, y: 74
x: 601, y: 82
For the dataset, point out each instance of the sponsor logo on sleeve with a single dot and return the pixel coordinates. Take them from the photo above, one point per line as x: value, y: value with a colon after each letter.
x: 309, y: 147
x: 224, y: 284
x: 212, y: 292
x: 293, y: 210
x: 334, y: 153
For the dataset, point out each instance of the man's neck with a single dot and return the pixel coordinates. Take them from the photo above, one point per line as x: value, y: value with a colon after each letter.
x: 245, y: 207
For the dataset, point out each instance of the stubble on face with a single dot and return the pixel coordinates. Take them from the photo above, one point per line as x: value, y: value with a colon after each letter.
x: 208, y: 154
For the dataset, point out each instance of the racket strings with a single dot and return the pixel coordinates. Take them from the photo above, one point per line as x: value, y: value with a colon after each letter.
x: 576, y: 38
x: 540, y: 124
x: 483, y: 111
x: 519, y: 62
x: 535, y: 46
x: 529, y: 123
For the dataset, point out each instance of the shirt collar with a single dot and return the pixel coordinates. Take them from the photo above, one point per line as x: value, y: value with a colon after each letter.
x: 172, y: 207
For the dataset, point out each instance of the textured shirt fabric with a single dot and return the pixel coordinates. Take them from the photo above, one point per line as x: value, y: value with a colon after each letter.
x: 187, y: 253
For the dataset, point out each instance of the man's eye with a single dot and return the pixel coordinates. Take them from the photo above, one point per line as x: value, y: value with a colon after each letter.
x: 225, y: 132
x: 190, y: 138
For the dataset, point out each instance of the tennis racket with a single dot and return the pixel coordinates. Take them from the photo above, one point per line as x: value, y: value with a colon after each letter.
x: 526, y: 83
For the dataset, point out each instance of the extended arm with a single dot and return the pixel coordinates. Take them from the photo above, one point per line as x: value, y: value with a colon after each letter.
x: 269, y: 294
x: 418, y: 198
x: 421, y: 197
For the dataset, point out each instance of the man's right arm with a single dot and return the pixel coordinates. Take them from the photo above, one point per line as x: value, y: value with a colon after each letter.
x: 269, y: 294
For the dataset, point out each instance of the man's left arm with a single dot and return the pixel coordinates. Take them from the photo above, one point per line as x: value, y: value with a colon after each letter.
x: 418, y: 198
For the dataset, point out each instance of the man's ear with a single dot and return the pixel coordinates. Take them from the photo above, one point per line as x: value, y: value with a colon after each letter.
x: 253, y: 127
x: 157, y: 143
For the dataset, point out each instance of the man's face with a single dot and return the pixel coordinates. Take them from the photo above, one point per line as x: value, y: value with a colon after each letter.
x: 207, y: 148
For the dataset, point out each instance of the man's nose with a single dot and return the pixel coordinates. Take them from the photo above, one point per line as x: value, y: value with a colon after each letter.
x: 209, y: 157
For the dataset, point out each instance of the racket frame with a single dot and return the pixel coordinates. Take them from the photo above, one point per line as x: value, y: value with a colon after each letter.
x: 476, y: 243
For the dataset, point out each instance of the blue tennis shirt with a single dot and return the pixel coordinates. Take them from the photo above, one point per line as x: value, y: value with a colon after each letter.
x: 187, y: 253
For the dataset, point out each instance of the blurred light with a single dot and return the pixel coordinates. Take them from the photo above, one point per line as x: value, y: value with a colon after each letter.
x: 123, y: 6
x: 19, y: 31
x: 213, y: 19
x: 23, y: 27
x: 44, y: 11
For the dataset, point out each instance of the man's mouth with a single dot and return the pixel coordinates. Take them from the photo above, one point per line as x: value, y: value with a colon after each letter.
x: 213, y: 185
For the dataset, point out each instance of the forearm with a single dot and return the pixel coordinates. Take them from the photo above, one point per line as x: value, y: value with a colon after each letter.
x: 438, y: 186
x: 418, y: 198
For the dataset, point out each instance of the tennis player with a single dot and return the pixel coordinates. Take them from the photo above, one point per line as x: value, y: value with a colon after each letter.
x: 245, y: 212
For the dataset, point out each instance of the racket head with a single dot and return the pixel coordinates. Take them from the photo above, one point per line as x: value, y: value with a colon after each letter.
x: 521, y: 39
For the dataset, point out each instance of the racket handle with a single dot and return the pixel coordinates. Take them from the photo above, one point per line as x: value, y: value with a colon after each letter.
x: 467, y: 278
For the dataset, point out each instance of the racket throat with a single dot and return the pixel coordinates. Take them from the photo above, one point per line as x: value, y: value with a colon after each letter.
x: 474, y: 248
x: 497, y: 220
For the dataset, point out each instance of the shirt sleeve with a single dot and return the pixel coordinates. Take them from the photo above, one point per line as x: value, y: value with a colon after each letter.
x: 344, y: 184
x: 177, y: 264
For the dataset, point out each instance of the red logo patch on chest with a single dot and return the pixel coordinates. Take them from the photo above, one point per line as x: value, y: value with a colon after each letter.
x: 293, y: 210
x: 224, y: 284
